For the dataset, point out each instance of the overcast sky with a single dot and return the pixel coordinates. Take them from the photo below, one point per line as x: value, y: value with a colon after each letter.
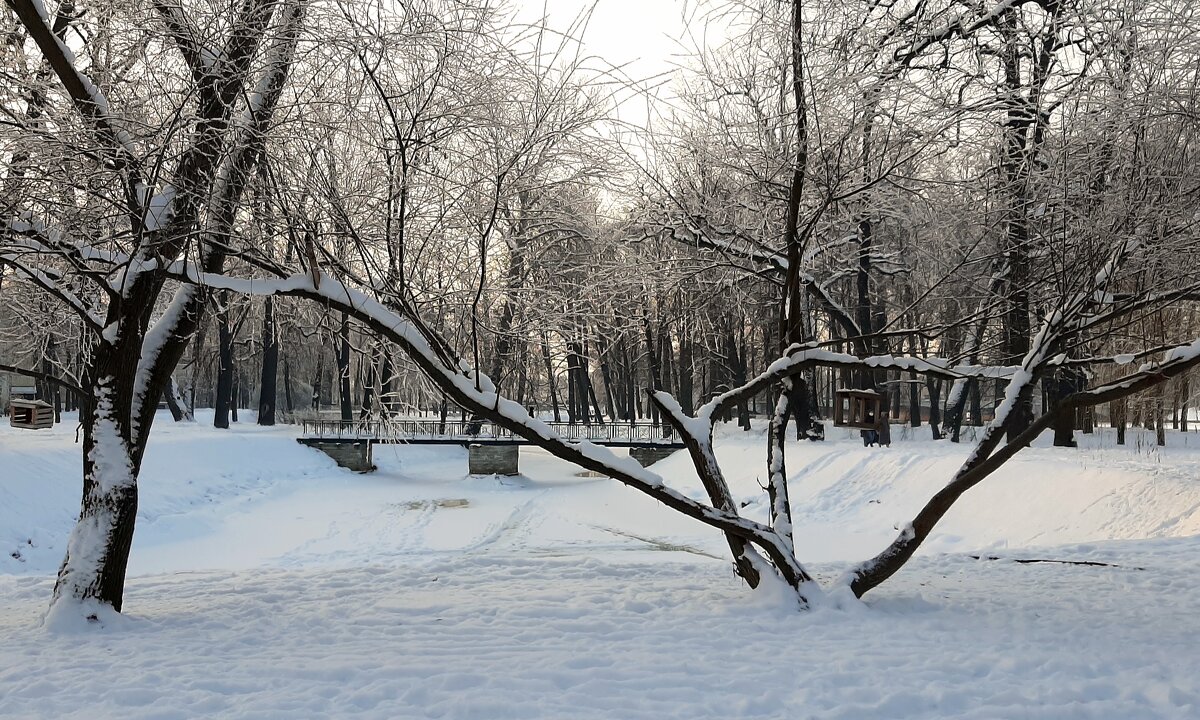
x: 641, y: 33
x: 644, y: 38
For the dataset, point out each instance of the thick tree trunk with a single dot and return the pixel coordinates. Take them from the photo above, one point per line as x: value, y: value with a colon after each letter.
x: 1058, y: 387
x: 92, y: 573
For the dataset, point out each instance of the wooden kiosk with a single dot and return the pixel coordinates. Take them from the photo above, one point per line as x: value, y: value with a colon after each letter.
x: 30, y: 414
x: 857, y: 409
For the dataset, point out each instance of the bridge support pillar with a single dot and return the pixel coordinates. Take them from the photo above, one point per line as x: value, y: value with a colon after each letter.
x: 648, y: 455
x: 493, y: 459
x: 351, y: 454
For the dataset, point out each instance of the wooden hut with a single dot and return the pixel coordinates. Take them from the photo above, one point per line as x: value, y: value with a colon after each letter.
x: 857, y: 409
x: 30, y: 414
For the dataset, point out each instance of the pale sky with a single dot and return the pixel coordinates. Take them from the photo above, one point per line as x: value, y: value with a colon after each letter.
x: 644, y: 38
x: 644, y: 33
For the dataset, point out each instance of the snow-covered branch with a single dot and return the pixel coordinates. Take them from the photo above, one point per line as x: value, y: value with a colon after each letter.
x: 800, y: 357
x: 475, y: 393
x: 87, y: 97
x: 51, y: 284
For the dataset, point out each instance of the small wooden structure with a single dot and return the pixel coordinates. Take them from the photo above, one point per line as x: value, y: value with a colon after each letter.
x: 858, y: 409
x: 30, y: 414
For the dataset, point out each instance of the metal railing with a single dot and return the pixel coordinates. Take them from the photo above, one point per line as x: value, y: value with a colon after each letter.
x: 466, y: 430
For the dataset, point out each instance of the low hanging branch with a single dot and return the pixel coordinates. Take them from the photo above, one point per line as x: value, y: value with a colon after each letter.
x: 44, y: 377
x: 476, y: 393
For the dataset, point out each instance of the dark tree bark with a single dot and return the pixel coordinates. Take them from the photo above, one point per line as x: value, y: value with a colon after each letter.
x: 652, y: 366
x: 552, y: 385
x: 387, y: 397
x: 289, y: 400
x: 49, y: 391
x: 267, y: 393
x: 1116, y: 410
x: 934, y: 388
x: 572, y: 395
x: 343, y: 368
x: 686, y: 373
x: 224, y: 398
x: 914, y: 401
x: 316, y: 383
x: 174, y: 402
x: 610, y: 403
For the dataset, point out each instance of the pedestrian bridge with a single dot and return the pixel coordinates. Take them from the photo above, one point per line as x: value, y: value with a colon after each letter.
x: 492, y: 449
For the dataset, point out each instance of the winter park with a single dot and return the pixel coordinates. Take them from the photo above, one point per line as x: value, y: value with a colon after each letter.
x: 484, y: 359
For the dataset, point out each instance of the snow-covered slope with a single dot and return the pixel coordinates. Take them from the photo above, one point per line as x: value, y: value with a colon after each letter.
x: 267, y: 582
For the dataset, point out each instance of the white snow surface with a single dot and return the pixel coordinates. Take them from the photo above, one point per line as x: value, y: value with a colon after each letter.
x: 265, y: 582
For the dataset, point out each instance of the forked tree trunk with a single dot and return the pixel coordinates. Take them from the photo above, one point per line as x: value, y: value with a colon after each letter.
x: 93, y: 571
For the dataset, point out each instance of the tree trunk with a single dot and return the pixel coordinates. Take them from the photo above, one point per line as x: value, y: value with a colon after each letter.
x: 550, y: 382
x: 179, y: 412
x: 1160, y: 431
x: 1116, y: 411
x: 343, y: 368
x: 572, y: 395
x: 914, y: 401
x: 934, y: 389
x: 652, y: 367
x: 685, y: 374
x: 606, y: 376
x: 267, y: 396
x: 93, y: 570
x: 224, y: 396
x: 316, y: 384
x: 236, y: 395
x: 288, y: 399
x: 387, y: 397
x: 1058, y: 387
x: 366, y: 374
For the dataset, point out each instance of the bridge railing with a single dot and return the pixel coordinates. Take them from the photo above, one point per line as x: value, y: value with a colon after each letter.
x: 402, y: 429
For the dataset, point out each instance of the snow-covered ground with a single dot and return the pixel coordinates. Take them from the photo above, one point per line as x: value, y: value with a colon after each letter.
x: 268, y: 583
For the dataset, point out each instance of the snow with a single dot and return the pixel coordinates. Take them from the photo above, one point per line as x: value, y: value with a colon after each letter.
x: 159, y: 209
x: 267, y: 582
